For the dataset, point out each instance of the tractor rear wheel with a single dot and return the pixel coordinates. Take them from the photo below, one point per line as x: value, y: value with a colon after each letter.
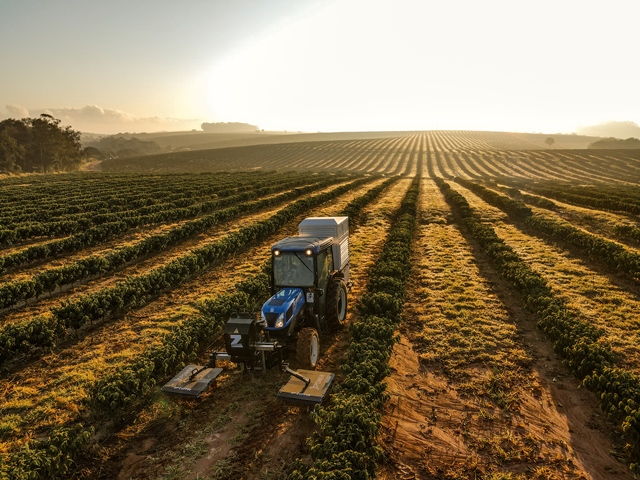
x: 336, y: 305
x: 308, y: 348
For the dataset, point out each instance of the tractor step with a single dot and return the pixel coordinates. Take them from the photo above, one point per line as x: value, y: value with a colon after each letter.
x: 306, y: 388
x: 191, y: 381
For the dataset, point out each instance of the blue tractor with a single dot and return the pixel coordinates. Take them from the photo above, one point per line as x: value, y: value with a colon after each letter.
x: 309, y: 282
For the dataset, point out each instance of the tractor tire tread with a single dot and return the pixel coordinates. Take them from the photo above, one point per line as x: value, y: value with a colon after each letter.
x: 334, y: 322
x: 303, y: 347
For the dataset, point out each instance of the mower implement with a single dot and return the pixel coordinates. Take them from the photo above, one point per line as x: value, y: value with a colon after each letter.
x: 306, y: 387
x: 191, y: 381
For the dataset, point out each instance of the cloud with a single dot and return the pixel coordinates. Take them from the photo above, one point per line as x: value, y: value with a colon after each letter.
x: 95, y: 119
x: 17, y: 111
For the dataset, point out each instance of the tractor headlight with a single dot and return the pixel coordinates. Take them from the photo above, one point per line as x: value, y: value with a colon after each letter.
x: 308, y: 252
x: 280, y: 321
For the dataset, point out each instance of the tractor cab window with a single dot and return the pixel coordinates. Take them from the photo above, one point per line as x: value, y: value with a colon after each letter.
x: 293, y: 269
x: 325, y: 264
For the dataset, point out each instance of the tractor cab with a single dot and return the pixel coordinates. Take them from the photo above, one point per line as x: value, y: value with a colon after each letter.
x: 302, y: 269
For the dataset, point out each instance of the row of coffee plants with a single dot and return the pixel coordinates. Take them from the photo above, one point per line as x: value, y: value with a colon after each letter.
x: 345, y: 445
x: 22, y: 221
x: 134, y: 215
x: 598, y: 198
x: 106, y: 231
x: 579, y: 342
x: 43, y: 331
x: 49, y: 280
x: 48, y: 459
x: 628, y: 231
x: 118, y: 391
x: 515, y: 208
x: 42, y: 198
x: 353, y: 209
x: 605, y: 251
x: 540, y: 202
x: 120, y: 388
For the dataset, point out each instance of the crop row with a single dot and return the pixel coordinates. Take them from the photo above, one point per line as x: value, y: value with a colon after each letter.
x: 540, y: 202
x: 625, y: 232
x: 485, y: 163
x: 49, y: 280
x: 85, y: 191
x: 105, y: 231
x: 581, y: 344
x: 87, y: 194
x: 43, y: 331
x: 599, y: 198
x: 605, y: 251
x: 345, y: 445
x: 133, y: 216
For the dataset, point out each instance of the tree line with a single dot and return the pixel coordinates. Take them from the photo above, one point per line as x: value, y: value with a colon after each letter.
x: 38, y: 145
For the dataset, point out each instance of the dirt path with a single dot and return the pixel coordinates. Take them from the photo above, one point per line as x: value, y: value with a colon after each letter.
x: 476, y: 389
x: 241, y: 429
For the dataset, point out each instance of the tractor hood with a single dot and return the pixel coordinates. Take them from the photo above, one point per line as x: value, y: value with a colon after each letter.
x: 283, y: 307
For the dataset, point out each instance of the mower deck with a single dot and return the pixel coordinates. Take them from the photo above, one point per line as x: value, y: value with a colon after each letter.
x: 191, y: 381
x: 297, y: 392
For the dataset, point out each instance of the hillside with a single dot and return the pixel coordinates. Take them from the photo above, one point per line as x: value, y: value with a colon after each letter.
x: 322, y: 151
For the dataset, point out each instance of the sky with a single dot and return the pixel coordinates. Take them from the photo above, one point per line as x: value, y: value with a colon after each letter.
x: 549, y: 66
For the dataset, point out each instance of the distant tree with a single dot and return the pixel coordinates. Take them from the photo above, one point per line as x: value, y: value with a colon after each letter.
x: 52, y: 147
x: 549, y: 141
x: 93, y: 152
x: 629, y: 143
x: 121, y: 146
x: 12, y: 151
x: 39, y: 144
x: 228, y: 127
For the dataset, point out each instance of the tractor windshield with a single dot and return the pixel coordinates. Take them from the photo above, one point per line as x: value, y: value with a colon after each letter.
x: 293, y: 269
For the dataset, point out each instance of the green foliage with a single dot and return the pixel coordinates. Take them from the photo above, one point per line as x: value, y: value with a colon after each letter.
x: 604, y: 197
x: 515, y: 208
x: 615, y: 143
x: 46, y: 460
x: 119, y: 146
x: 38, y: 145
x: 353, y: 208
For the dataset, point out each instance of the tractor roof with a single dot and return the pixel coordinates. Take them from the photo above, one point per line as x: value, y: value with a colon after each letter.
x: 300, y: 244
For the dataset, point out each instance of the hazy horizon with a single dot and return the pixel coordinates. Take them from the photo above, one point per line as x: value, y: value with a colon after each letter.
x: 349, y: 65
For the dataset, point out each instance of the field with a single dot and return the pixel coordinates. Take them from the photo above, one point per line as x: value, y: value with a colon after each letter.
x: 493, y: 325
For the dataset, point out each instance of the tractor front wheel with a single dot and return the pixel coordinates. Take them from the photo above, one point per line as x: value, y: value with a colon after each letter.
x: 308, y: 348
x: 337, y: 305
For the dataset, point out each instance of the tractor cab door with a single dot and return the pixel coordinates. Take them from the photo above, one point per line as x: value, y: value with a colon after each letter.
x: 325, y: 267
